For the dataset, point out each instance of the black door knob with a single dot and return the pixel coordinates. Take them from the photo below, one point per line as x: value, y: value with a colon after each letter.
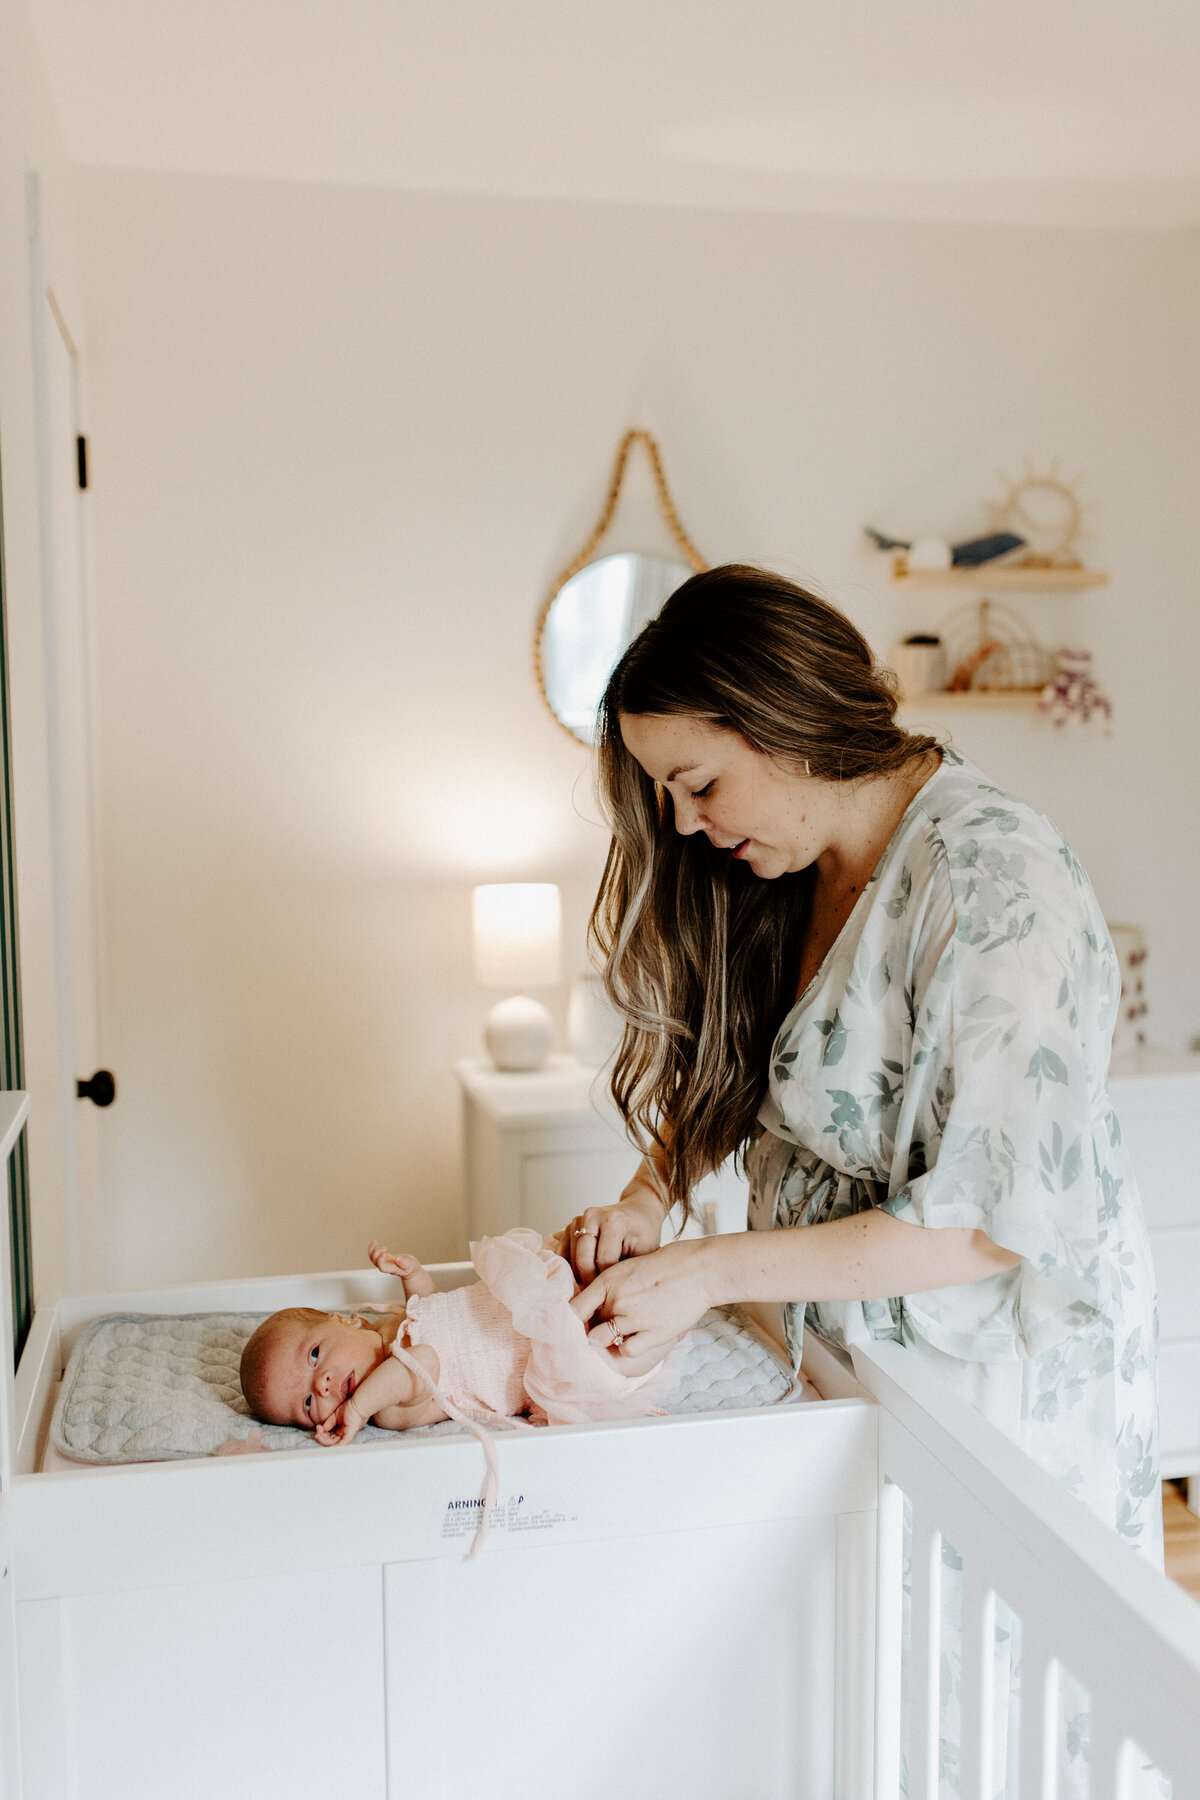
x: 101, y: 1090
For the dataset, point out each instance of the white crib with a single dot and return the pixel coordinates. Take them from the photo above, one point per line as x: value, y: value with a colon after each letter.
x: 706, y: 1606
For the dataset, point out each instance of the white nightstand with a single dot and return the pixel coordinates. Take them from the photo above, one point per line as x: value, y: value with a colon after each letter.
x: 1156, y: 1095
x: 538, y: 1148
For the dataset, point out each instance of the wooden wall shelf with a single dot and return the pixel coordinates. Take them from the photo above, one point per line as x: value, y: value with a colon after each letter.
x: 1010, y: 577
x: 975, y: 700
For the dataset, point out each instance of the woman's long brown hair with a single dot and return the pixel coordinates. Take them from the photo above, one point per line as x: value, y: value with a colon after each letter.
x: 700, y: 956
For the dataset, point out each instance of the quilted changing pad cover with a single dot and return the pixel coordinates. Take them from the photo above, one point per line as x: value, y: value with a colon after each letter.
x: 144, y: 1387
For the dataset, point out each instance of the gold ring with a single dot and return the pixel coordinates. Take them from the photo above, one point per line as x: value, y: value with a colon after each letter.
x: 618, y: 1337
x: 582, y: 1233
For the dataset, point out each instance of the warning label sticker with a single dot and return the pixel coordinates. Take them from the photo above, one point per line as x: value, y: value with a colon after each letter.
x: 515, y: 1513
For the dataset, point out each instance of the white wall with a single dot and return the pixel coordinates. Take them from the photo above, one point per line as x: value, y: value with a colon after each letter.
x: 31, y: 142
x: 342, y: 441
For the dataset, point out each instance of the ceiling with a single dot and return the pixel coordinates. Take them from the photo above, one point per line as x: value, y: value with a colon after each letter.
x: 1076, y: 112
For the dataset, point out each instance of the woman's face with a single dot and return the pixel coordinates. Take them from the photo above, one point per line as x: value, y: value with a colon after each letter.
x: 775, y: 818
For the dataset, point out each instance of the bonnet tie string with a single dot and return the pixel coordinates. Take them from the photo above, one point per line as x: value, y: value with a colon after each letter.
x: 491, y: 1485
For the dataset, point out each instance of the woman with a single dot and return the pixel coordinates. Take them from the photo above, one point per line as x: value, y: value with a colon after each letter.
x: 841, y: 952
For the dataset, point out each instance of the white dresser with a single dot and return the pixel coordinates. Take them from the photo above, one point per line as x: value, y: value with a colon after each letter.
x: 538, y: 1148
x: 1156, y: 1094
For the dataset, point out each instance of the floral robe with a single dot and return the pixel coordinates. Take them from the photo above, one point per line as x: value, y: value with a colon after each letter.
x: 948, y: 1062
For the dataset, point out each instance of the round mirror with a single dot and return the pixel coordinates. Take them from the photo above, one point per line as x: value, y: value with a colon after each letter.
x: 591, y: 621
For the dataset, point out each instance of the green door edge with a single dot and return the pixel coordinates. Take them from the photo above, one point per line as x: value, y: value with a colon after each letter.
x: 12, y: 1069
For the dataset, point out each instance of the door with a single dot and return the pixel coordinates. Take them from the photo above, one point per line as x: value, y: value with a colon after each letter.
x: 70, y: 747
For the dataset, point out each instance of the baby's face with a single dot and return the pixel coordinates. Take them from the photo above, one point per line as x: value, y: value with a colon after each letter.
x: 313, y: 1368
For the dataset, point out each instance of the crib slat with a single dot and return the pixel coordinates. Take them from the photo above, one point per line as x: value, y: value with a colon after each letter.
x: 1110, y: 1770
x: 889, y: 1638
x: 987, y: 1693
x: 1039, y: 1717
x: 924, y: 1693
x: 978, y: 1685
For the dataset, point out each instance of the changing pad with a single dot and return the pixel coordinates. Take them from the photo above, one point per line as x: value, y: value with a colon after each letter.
x: 144, y: 1387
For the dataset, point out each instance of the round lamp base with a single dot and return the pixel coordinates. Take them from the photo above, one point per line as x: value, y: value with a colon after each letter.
x: 519, y: 1033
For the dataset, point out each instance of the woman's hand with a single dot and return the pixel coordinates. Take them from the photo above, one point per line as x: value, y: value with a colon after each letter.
x: 604, y: 1235
x: 640, y: 1307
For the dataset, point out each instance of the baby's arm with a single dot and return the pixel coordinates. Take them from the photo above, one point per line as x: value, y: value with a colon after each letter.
x: 392, y: 1396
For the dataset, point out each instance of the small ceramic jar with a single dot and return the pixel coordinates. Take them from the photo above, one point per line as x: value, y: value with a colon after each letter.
x: 920, y: 663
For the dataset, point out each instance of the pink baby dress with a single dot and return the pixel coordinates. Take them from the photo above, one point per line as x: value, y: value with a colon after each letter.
x: 510, y: 1344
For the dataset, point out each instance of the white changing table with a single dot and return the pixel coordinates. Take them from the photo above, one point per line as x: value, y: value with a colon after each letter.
x: 207, y: 1628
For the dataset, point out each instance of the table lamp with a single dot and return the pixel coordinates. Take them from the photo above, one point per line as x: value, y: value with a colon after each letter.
x: 518, y: 944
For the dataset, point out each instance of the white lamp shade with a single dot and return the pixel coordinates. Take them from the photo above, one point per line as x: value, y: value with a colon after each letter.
x: 517, y: 934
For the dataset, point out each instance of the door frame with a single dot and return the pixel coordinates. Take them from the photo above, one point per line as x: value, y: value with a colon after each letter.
x: 46, y: 315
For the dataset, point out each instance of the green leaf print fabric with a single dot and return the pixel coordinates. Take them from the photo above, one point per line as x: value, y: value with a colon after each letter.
x: 948, y: 1062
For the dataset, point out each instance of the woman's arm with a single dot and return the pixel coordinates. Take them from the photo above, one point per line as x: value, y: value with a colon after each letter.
x: 864, y: 1256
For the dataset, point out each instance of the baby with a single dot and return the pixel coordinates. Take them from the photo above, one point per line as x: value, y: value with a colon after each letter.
x: 508, y: 1347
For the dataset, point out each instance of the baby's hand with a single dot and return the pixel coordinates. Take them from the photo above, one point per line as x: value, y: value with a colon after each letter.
x: 407, y: 1269
x: 342, y: 1426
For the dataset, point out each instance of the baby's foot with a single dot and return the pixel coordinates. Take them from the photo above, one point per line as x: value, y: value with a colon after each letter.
x: 408, y: 1269
x: 250, y: 1445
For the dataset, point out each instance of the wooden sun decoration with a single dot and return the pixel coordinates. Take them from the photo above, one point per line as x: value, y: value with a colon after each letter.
x: 1045, y: 511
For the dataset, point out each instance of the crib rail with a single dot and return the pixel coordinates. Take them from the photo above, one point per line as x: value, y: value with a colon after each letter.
x: 1087, y: 1606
